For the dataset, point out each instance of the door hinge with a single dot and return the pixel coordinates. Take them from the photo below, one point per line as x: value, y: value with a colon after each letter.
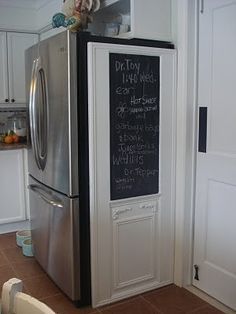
x: 196, y: 270
x: 201, y: 6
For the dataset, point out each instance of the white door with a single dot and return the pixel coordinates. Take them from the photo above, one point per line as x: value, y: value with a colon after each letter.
x: 215, y: 217
x: 131, y: 176
x: 3, y: 69
x: 17, y: 44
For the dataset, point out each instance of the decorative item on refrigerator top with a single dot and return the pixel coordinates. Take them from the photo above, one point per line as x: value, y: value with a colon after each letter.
x: 76, y: 14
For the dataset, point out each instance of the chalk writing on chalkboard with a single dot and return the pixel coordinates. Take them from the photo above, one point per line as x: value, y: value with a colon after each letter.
x: 134, y: 125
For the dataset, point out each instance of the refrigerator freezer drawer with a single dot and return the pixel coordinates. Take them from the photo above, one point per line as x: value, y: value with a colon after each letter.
x: 55, y: 235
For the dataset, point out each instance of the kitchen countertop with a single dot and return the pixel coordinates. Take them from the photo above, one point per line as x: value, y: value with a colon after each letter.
x: 4, y: 146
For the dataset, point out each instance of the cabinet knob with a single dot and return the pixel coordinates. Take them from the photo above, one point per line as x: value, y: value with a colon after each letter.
x: 6, y: 100
x: 12, y: 100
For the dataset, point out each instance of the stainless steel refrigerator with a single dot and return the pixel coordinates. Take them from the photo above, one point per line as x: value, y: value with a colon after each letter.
x: 58, y: 157
x: 57, y: 204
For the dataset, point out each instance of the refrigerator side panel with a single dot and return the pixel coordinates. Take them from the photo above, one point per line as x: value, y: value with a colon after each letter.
x: 55, y: 235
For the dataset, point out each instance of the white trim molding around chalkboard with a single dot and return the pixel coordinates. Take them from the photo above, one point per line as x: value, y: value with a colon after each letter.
x: 132, y: 239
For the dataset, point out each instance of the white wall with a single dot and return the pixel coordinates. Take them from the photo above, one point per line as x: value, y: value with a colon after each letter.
x: 28, y: 19
x: 18, y: 19
x: 46, y: 12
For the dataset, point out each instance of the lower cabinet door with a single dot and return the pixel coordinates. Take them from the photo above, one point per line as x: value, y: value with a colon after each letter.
x: 12, y: 186
x: 135, y: 245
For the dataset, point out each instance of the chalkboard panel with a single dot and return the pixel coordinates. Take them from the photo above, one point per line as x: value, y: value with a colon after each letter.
x: 134, y: 125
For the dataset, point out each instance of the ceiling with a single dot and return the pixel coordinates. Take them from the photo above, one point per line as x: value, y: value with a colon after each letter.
x: 27, y: 4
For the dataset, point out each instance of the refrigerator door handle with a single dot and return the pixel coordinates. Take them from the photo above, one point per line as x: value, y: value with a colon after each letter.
x: 55, y: 202
x: 39, y: 114
x: 32, y: 97
x: 43, y: 115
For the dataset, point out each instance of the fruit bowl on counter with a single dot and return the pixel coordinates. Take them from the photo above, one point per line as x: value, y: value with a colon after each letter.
x: 13, y: 131
x: 12, y: 137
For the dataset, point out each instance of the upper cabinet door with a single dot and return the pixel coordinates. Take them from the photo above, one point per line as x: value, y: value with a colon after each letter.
x: 155, y: 24
x: 3, y: 69
x: 17, y: 44
x: 126, y: 19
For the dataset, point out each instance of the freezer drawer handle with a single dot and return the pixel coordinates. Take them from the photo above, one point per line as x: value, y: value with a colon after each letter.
x: 53, y: 203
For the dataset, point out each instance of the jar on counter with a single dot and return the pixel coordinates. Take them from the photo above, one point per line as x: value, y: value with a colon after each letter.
x: 16, y: 124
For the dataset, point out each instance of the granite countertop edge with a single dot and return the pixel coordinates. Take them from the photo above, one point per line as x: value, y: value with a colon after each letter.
x: 12, y: 146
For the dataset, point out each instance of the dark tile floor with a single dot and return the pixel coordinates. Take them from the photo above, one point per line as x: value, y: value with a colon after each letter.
x: 170, y: 299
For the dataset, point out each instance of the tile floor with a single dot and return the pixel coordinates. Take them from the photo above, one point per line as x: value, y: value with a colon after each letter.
x: 170, y: 299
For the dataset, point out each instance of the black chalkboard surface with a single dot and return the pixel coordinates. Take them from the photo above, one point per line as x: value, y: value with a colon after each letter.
x: 134, y: 125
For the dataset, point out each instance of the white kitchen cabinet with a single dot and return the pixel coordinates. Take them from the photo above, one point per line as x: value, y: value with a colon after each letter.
x: 149, y: 19
x: 136, y: 245
x: 3, y: 68
x: 12, y: 66
x: 13, y: 186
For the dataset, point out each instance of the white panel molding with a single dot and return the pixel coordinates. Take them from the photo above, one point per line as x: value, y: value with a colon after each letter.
x: 117, y: 212
x: 101, y: 266
x: 150, y: 198
x: 138, y: 206
x: 133, y: 281
x: 116, y: 227
x: 92, y: 170
x: 132, y: 292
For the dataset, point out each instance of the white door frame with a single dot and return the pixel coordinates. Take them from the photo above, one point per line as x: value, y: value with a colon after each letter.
x: 185, y: 33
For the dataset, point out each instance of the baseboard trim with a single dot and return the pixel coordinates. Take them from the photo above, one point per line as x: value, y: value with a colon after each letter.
x: 220, y: 306
x: 12, y: 227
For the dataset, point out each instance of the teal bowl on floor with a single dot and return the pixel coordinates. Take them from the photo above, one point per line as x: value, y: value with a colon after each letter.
x: 22, y: 235
x: 27, y: 248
